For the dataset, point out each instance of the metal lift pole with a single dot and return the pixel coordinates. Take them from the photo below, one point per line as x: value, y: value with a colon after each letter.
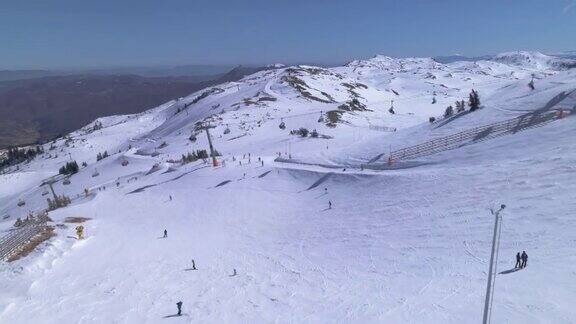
x: 489, y: 286
x: 212, y: 154
x: 52, y: 189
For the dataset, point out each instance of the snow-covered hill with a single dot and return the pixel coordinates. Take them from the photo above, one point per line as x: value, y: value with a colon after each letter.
x: 535, y: 60
x: 399, y: 245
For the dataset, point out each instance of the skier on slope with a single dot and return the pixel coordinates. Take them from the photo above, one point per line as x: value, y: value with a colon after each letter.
x: 179, y: 305
x: 165, y: 233
x: 518, y: 260
x: 524, y: 259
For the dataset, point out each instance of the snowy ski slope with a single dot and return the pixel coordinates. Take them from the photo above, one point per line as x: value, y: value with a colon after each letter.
x: 408, y: 245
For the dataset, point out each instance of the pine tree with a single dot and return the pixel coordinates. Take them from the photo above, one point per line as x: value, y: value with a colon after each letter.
x: 69, y: 168
x: 474, y: 100
x: 101, y: 156
x: 74, y: 167
x: 448, y: 112
x: 202, y: 154
x: 460, y: 106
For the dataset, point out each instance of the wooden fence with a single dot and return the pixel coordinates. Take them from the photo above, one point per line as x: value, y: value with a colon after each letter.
x: 476, y: 134
x: 17, y: 238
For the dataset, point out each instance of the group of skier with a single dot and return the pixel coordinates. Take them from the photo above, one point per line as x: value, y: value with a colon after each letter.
x: 521, y: 260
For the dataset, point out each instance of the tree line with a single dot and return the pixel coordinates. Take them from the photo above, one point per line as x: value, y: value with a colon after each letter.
x: 16, y: 155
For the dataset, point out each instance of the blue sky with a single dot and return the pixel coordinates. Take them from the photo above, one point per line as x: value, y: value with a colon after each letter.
x: 78, y: 33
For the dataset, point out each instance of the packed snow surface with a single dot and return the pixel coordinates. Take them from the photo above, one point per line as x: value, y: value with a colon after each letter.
x: 324, y: 239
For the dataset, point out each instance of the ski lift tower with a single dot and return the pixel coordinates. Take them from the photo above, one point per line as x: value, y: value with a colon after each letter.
x: 50, y: 182
x: 206, y: 127
x: 493, y: 264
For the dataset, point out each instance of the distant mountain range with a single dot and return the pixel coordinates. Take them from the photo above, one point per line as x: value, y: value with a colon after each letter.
x: 457, y: 58
x: 38, y: 106
x: 10, y: 75
x: 195, y: 72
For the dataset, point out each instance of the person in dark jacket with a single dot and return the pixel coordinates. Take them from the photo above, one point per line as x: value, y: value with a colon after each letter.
x: 179, y: 305
x: 165, y: 233
x: 518, y: 260
x: 524, y: 259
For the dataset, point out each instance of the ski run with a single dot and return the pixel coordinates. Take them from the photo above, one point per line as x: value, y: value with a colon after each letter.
x: 320, y: 228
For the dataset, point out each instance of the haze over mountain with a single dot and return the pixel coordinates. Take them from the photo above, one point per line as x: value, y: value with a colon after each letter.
x: 193, y: 72
x: 36, y: 109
